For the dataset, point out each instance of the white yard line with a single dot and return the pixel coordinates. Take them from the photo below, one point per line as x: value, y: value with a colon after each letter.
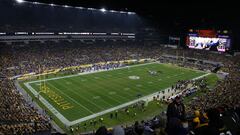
x: 123, y: 105
x: 69, y: 123
x: 54, y: 110
x: 85, y: 73
x: 71, y: 98
x: 79, y: 96
x: 100, y: 92
x: 48, y: 105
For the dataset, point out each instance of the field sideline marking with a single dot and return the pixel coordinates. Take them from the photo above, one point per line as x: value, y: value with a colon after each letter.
x: 53, y: 109
x: 72, y: 99
x: 101, y: 108
x: 69, y: 123
x: 85, y: 73
x: 48, y: 105
x: 124, y: 105
x: 101, y: 94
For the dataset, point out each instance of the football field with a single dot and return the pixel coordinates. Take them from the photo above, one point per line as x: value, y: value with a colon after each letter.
x: 79, y: 97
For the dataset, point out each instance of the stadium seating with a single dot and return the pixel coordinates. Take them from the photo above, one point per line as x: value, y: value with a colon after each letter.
x: 19, y: 117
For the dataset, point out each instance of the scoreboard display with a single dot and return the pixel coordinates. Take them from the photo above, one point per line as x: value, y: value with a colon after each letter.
x: 208, y: 40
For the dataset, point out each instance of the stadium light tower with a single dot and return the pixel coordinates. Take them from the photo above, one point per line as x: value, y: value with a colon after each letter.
x: 19, y: 1
x: 103, y: 10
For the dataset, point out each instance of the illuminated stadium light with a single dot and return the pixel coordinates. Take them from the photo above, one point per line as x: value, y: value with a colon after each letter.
x: 35, y: 3
x: 113, y: 11
x: 79, y: 7
x: 130, y: 13
x: 52, y: 4
x: 66, y: 6
x: 92, y: 9
x: 103, y: 10
x: 20, y: 1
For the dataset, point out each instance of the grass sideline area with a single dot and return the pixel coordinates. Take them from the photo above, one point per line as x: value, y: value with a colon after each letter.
x: 154, y: 108
x: 96, y: 91
x: 211, y: 81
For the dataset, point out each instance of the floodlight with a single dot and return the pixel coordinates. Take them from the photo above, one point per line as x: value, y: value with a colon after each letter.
x: 20, y: 1
x: 103, y: 10
x: 91, y: 8
x: 66, y: 6
x: 35, y: 3
x: 79, y: 7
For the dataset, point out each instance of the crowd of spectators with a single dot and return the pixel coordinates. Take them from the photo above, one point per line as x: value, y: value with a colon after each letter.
x: 27, y: 58
x: 19, y: 117
x: 93, y: 68
x: 155, y: 126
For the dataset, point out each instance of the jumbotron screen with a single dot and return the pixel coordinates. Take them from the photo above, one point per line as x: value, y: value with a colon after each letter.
x: 208, y: 40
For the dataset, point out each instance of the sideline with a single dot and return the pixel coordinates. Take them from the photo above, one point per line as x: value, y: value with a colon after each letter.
x: 70, y: 123
x: 91, y: 72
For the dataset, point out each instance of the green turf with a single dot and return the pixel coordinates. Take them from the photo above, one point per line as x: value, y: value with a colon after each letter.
x: 96, y: 92
x: 211, y: 81
x: 153, y: 108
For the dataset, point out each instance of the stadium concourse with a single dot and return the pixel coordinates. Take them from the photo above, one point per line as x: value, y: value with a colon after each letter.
x: 20, y: 117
